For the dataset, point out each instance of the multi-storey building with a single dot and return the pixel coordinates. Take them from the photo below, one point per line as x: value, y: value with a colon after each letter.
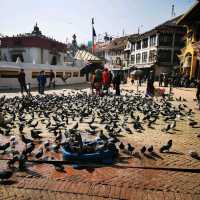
x: 113, y: 52
x: 158, y: 47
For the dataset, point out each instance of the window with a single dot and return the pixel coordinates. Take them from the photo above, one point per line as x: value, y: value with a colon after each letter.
x: 75, y: 74
x: 152, y: 40
x: 145, y: 43
x: 132, y: 59
x: 133, y: 47
x: 164, y: 56
x: 68, y: 74
x: 152, y: 55
x: 118, y: 61
x: 15, y: 56
x: 144, y: 57
x: 179, y: 41
x: 35, y: 74
x: 59, y: 74
x: 138, y: 45
x: 8, y: 74
x: 54, y: 60
x: 165, y: 39
x: 138, y: 58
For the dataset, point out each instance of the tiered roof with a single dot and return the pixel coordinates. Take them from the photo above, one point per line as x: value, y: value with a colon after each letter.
x: 34, y: 39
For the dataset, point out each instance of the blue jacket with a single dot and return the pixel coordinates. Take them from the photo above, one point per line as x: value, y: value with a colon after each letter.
x: 42, y: 79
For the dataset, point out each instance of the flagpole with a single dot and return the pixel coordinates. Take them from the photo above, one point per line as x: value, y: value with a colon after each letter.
x: 92, y: 35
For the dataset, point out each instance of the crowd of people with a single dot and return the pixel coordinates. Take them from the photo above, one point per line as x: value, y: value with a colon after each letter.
x: 176, y: 80
x: 103, y: 80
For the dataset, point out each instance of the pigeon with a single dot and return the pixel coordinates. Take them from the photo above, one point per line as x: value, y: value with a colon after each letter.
x: 193, y: 123
x: 121, y: 145
x: 12, y: 161
x: 166, y: 128
x: 166, y: 147
x: 39, y: 153
x: 59, y: 167
x: 21, y: 128
x: 26, y: 140
x: 3, y: 147
x: 93, y: 127
x: 35, y: 134
x: 5, y: 174
x: 29, y: 148
x: 173, y: 124
x: 130, y: 148
x: 34, y: 125
x: 46, y: 145
x: 194, y: 154
x: 143, y: 149
x: 128, y: 130
x: 75, y: 126
x: 150, y: 149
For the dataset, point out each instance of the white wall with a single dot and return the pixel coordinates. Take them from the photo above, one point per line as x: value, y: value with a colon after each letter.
x: 33, y: 55
x: 12, y: 83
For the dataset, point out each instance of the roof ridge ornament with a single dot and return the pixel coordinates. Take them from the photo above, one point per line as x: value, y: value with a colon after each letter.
x: 36, y: 31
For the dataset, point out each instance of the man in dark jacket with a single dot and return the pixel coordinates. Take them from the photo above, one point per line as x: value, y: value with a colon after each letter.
x: 117, y: 81
x: 41, y: 82
x: 22, y: 81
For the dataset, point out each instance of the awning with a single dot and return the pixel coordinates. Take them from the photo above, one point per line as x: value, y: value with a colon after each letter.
x: 143, y: 66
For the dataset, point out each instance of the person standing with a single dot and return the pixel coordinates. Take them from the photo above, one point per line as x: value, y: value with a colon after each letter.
x: 105, y: 80
x: 97, y: 82
x: 52, y: 79
x: 22, y: 81
x: 92, y: 81
x: 117, y: 82
x: 150, y: 84
x: 161, y: 79
x: 41, y: 82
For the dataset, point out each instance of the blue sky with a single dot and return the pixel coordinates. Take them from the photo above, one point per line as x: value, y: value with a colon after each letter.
x: 61, y: 18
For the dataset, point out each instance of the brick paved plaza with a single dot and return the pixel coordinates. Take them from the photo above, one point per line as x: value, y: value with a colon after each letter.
x: 122, y: 181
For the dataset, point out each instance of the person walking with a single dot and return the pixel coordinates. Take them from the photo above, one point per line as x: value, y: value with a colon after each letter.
x: 41, y: 82
x: 105, y: 80
x: 22, y: 81
x: 52, y: 79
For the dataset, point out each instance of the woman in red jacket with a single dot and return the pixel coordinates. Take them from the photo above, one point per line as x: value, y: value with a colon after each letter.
x: 105, y: 80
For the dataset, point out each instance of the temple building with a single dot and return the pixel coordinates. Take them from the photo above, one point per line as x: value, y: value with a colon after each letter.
x: 190, y: 54
x: 32, y: 48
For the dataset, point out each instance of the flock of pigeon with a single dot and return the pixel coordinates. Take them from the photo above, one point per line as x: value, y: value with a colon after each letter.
x: 42, y: 124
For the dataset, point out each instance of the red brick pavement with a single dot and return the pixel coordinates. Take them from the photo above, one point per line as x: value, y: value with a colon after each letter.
x: 124, y: 183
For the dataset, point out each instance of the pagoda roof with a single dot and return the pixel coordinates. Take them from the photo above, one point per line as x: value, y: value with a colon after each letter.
x: 169, y: 26
x: 191, y: 15
x: 33, y: 39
